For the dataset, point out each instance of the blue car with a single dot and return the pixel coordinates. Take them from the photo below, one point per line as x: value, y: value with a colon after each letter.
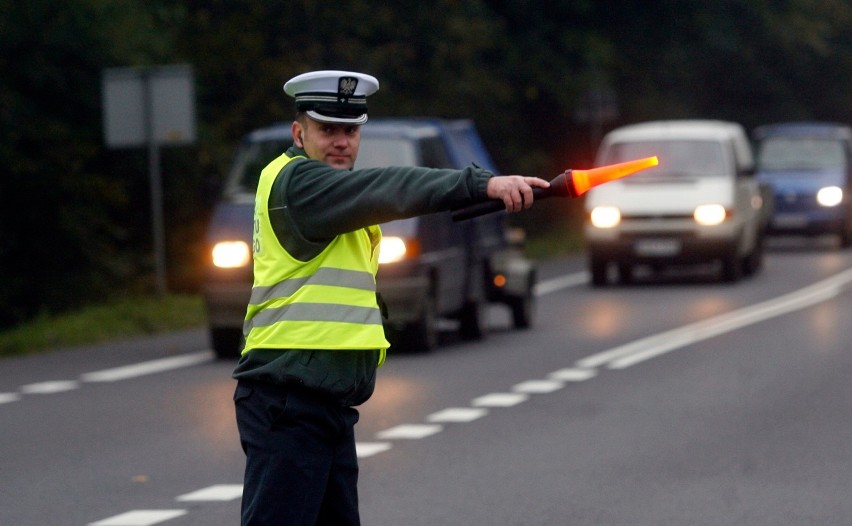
x: 809, y: 167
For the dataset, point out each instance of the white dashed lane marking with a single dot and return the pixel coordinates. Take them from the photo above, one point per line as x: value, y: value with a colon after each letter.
x: 187, y: 360
x: 457, y: 414
x: 216, y: 493
x: 500, y: 400
x: 368, y: 449
x: 409, y: 431
x: 538, y: 386
x: 140, y: 518
x: 572, y: 374
x: 110, y: 375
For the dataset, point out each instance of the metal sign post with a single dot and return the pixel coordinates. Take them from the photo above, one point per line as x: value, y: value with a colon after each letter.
x: 150, y: 106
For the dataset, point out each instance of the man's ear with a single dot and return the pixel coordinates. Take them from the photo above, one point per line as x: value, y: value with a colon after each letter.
x: 298, y: 134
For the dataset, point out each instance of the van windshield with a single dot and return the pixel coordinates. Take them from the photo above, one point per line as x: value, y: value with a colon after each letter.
x: 678, y: 158
x: 250, y: 159
x: 800, y: 153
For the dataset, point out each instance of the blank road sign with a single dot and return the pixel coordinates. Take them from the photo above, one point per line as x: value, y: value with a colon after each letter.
x: 142, y: 104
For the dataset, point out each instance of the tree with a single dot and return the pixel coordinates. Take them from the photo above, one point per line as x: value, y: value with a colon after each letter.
x: 58, y: 199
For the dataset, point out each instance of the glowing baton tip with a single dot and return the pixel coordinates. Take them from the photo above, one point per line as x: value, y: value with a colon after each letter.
x: 586, y: 179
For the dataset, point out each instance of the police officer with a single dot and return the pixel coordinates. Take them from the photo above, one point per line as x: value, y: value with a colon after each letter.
x: 313, y: 327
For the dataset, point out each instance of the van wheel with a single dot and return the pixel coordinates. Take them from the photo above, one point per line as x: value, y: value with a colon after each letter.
x: 523, y: 308
x: 732, y: 268
x: 227, y: 342
x: 846, y: 238
x: 472, y: 322
x: 754, y: 261
x: 625, y: 273
x: 473, y: 317
x: 598, y: 270
x: 422, y: 336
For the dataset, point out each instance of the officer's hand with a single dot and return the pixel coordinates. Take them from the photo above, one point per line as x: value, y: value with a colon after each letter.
x: 516, y: 191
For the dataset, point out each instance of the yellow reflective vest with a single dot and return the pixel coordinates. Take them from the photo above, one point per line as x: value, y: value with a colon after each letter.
x: 328, y: 302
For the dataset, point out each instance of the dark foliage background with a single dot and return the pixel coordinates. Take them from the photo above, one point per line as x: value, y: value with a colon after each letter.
x: 542, y: 80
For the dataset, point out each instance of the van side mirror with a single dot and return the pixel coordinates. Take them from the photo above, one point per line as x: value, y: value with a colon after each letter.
x: 748, y: 171
x: 515, y: 236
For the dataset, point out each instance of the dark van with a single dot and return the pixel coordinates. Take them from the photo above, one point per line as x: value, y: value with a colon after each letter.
x: 809, y: 167
x: 431, y: 269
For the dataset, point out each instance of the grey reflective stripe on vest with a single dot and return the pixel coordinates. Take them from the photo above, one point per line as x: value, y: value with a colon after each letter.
x: 353, y: 279
x: 315, y: 312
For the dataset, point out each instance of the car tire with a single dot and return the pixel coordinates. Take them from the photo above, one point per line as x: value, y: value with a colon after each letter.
x: 422, y: 336
x: 472, y: 322
x: 523, y: 307
x: 598, y: 270
x: 845, y: 238
x: 625, y: 273
x: 732, y: 268
x: 227, y: 342
x: 473, y: 318
x: 753, y: 262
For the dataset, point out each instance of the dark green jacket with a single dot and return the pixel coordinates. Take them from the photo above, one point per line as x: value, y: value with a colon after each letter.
x: 309, y: 205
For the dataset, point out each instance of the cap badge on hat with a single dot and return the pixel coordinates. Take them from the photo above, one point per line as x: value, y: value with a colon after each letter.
x: 346, y: 87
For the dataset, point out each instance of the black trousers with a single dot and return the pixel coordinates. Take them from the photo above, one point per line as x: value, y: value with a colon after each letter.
x: 301, y: 466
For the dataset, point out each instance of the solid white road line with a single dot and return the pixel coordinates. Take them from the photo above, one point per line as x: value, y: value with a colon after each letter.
x: 151, y: 367
x: 562, y: 282
x: 217, y: 492
x: 6, y: 398
x: 140, y: 518
x: 646, y: 348
x: 58, y: 386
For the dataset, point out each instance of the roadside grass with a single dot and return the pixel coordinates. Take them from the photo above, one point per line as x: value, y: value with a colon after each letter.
x: 136, y: 316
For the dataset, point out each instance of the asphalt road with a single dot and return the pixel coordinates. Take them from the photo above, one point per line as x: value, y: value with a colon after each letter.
x: 678, y: 400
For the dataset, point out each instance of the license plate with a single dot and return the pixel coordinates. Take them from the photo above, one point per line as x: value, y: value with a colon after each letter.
x: 790, y: 221
x: 657, y: 247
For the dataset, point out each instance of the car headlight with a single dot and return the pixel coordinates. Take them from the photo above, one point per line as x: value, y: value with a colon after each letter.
x: 830, y: 196
x: 391, y: 249
x: 231, y: 254
x: 710, y: 215
x: 605, y: 216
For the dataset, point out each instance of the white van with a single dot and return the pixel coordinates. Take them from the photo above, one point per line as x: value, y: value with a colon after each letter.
x: 701, y: 204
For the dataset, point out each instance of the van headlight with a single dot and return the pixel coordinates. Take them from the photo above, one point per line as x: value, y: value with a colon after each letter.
x: 392, y: 249
x: 605, y: 216
x: 710, y: 215
x: 830, y: 196
x: 231, y: 254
